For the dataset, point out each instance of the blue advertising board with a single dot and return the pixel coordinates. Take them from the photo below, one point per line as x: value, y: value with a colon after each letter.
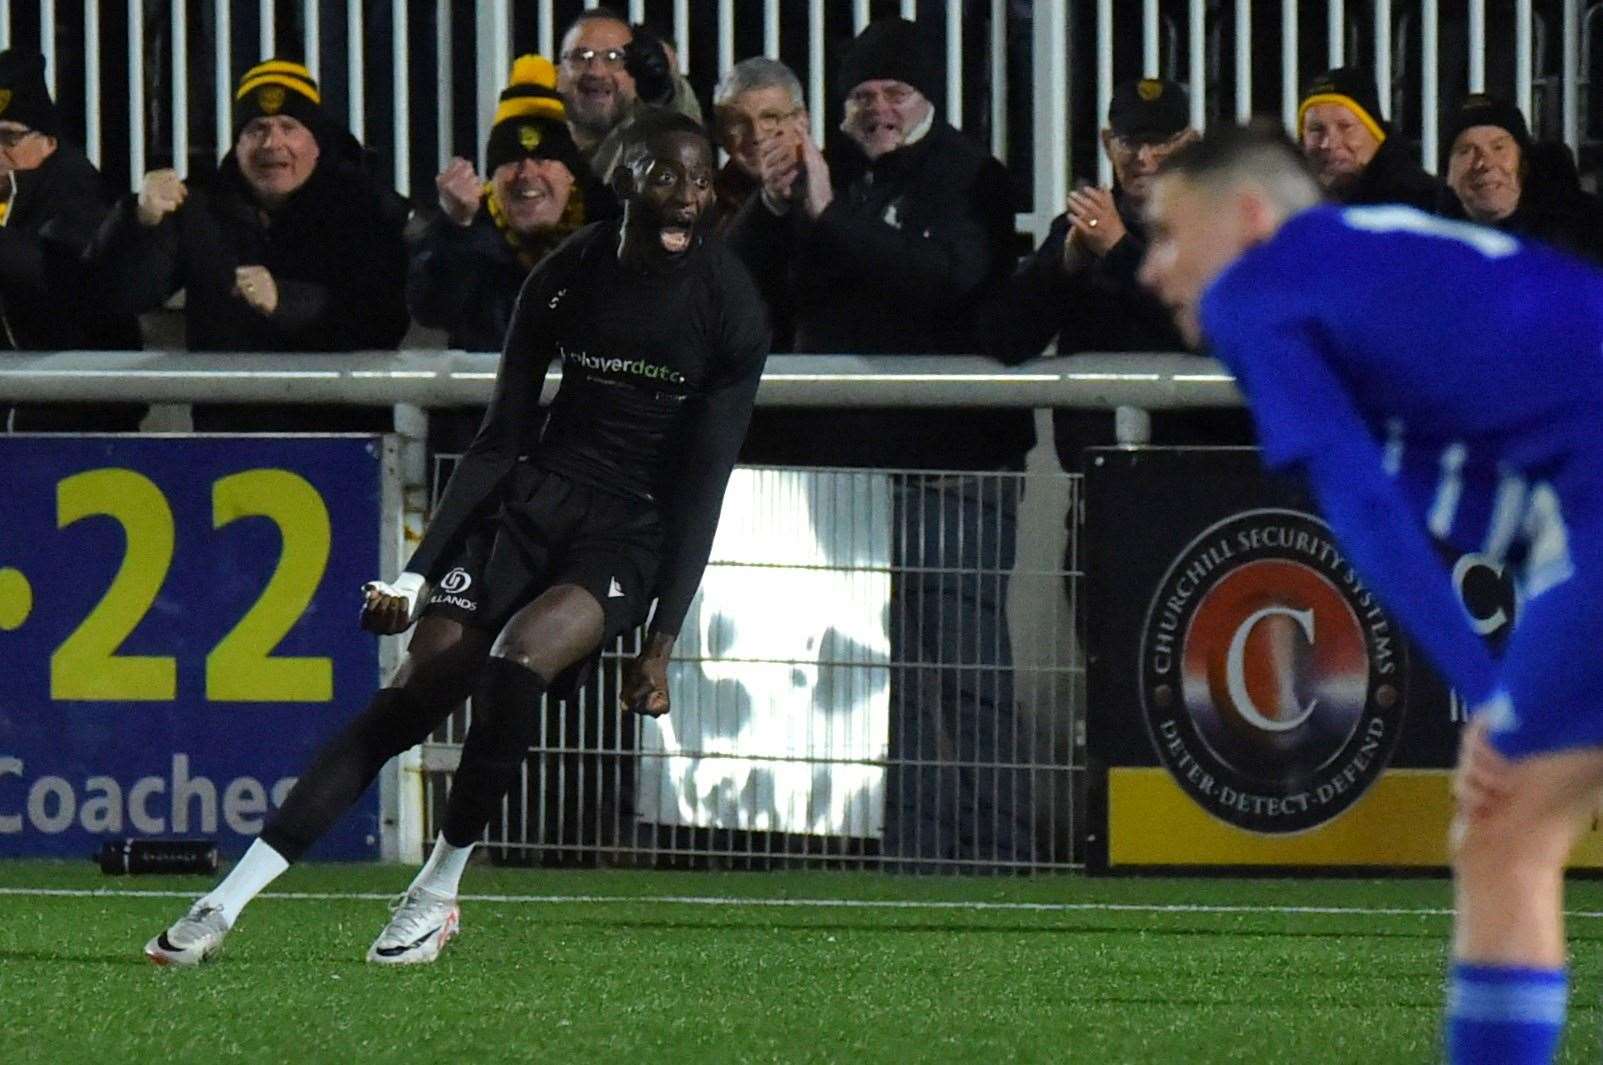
x: 178, y: 633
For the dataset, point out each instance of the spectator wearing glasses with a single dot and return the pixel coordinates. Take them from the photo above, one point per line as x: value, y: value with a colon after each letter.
x: 290, y: 246
x: 52, y: 201
x: 887, y: 248
x: 759, y: 108
x: 609, y: 71
x: 1498, y: 176
x: 1080, y: 287
x: 1354, y: 154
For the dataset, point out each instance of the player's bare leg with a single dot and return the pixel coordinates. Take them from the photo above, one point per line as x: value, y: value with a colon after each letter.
x: 1511, y: 838
x: 434, y: 676
x: 563, y: 626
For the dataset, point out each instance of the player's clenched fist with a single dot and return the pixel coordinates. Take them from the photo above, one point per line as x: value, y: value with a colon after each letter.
x: 391, y: 608
x: 160, y: 194
x: 459, y: 189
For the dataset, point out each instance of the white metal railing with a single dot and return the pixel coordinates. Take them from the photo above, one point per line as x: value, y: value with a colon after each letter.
x: 452, y: 378
x: 1187, y: 42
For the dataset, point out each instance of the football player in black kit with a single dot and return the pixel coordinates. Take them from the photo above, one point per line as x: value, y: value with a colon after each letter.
x: 543, y: 549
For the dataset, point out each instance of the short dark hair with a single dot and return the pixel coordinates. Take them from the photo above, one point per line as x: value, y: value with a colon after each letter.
x: 651, y: 122
x: 1256, y: 152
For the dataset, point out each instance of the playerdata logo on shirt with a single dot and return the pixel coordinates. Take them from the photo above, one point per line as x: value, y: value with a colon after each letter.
x: 639, y: 368
x: 1271, y: 680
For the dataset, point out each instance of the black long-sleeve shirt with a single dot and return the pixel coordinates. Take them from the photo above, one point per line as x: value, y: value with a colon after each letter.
x: 659, y: 374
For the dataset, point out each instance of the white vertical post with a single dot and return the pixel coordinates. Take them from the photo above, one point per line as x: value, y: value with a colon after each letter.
x: 910, y: 9
x: 771, y: 29
x: 312, y: 37
x: 1196, y: 61
x: 954, y: 64
x: 1051, y: 110
x: 355, y: 71
x: 637, y: 11
x: 136, y: 91
x: 1383, y: 53
x: 859, y: 16
x: 816, y: 103
x: 1149, y: 38
x: 47, y: 42
x: 401, y: 103
x: 1243, y: 60
x: 265, y: 20
x: 179, y: 23
x: 1336, y: 33
x: 546, y: 16
x: 1104, y: 90
x: 726, y: 36
x: 999, y: 78
x: 1522, y: 57
x: 1572, y: 75
x: 5, y: 24
x: 223, y: 79
x: 443, y: 72
x: 1429, y: 90
x: 681, y: 34
x: 493, y: 42
x: 1289, y: 88
x: 1477, y: 45
x: 91, y: 88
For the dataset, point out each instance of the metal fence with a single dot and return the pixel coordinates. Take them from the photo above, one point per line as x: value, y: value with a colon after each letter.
x: 149, y: 82
x: 869, y: 677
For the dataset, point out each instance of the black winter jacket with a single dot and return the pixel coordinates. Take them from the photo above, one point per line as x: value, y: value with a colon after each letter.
x: 897, y: 264
x: 1394, y: 176
x: 47, y: 301
x: 335, y: 251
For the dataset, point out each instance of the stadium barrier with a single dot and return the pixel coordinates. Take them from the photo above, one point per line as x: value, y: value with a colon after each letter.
x: 780, y: 746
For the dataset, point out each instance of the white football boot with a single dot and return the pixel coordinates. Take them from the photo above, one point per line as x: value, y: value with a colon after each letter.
x: 423, y: 923
x: 195, y: 937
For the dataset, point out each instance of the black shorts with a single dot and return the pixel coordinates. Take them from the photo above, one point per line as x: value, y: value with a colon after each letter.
x: 552, y: 531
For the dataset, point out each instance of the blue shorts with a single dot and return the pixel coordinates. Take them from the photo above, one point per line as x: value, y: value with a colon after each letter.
x: 1550, y: 696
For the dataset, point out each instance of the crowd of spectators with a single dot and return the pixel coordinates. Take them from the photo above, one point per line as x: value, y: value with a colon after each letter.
x: 897, y: 240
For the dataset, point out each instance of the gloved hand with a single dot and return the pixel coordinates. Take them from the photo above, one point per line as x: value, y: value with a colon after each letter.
x: 645, y: 58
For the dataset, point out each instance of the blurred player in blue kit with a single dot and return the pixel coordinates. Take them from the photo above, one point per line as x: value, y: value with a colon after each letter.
x: 1432, y: 379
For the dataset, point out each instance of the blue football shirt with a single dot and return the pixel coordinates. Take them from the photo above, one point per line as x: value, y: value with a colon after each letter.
x: 1432, y: 378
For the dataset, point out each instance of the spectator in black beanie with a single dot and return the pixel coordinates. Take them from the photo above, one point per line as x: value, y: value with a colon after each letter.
x: 290, y: 246
x: 1352, y: 149
x: 52, y: 200
x: 1498, y: 176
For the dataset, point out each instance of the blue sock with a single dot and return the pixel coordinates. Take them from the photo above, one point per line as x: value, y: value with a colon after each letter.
x: 1505, y: 1014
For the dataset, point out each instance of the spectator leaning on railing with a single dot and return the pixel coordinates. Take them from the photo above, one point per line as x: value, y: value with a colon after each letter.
x: 1355, y: 156
x: 1498, y: 176
x: 888, y: 250
x: 759, y: 108
x: 52, y: 201
x: 609, y: 71
x: 290, y: 246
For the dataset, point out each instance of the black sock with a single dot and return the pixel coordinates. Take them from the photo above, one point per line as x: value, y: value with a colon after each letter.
x: 395, y: 720
x: 505, y: 720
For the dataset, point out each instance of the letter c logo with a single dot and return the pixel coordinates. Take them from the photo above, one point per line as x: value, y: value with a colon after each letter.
x: 1236, y: 678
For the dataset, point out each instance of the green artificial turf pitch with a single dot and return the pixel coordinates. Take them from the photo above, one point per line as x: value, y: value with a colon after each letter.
x: 668, y: 967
